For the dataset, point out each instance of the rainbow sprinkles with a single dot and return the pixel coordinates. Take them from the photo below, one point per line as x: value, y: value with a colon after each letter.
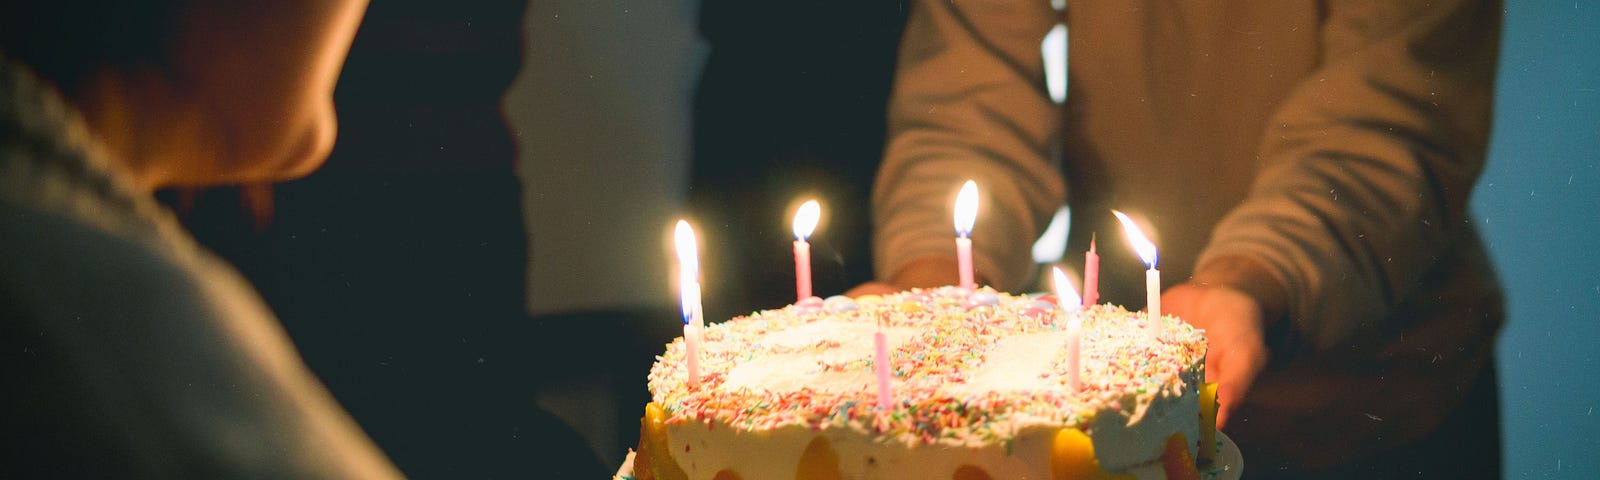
x: 969, y: 369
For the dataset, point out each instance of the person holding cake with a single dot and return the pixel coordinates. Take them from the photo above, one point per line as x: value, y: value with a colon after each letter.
x: 1306, y: 168
x: 130, y: 351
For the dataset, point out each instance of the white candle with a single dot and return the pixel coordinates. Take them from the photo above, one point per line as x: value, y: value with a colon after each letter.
x: 1152, y: 277
x: 1152, y: 288
x: 691, y: 352
x: 1071, y: 307
x: 689, y: 294
x: 805, y: 222
x: 966, y: 215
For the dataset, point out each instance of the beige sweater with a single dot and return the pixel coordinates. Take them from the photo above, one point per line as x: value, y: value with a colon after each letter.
x: 1318, y: 155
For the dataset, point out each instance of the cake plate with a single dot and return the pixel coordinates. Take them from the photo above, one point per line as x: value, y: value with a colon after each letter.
x: 1229, y: 465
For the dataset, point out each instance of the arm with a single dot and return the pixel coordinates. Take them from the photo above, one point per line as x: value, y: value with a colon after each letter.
x: 1366, y: 168
x: 968, y: 103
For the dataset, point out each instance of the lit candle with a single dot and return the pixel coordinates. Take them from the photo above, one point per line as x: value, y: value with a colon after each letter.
x: 880, y: 363
x: 1071, y: 306
x: 966, y: 216
x: 1152, y: 277
x: 689, y: 290
x: 805, y: 222
x: 691, y: 334
x: 1091, y: 276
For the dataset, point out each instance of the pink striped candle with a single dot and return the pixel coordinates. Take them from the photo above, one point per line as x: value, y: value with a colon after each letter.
x: 880, y: 364
x: 805, y: 222
x: 1091, y: 276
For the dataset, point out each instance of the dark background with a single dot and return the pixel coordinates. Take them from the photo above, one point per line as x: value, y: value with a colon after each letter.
x: 399, y: 268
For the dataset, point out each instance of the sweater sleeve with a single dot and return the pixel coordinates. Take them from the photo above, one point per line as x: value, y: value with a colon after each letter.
x: 1366, y: 167
x: 969, y: 102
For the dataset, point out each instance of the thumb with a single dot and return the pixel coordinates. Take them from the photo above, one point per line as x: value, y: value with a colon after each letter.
x: 1234, y: 370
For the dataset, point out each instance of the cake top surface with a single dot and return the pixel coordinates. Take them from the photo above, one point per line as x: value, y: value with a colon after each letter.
x: 967, y: 366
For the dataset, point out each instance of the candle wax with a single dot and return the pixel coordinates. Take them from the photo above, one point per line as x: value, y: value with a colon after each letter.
x: 691, y: 351
x: 802, y: 270
x: 880, y: 364
x: 964, y: 261
x: 1152, y: 285
x: 1091, y: 276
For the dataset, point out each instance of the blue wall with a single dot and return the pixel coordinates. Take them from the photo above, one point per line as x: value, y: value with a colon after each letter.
x: 1538, y: 205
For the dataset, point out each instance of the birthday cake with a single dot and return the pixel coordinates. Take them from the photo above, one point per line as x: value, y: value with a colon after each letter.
x: 979, y: 387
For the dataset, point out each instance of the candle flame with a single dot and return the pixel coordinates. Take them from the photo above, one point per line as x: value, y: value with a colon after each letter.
x: 1066, y: 297
x: 966, y: 208
x: 805, y: 220
x: 1141, y: 245
x: 688, y: 251
x: 688, y: 268
x: 688, y: 296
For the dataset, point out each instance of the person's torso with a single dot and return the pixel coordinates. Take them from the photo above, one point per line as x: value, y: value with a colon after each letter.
x: 1165, y: 112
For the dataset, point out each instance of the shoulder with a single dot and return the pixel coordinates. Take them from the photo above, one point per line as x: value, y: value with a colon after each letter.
x: 79, y: 259
x: 140, y: 353
x: 151, y: 346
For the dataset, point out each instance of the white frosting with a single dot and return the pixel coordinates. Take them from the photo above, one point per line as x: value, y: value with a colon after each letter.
x: 780, y: 379
x: 787, y: 371
x: 1014, y: 364
x: 1136, y: 448
x: 1120, y: 441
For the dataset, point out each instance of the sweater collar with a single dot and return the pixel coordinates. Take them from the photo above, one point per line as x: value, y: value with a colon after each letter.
x: 51, y: 161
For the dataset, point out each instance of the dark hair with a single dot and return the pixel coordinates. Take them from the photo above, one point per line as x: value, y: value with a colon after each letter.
x: 66, y: 40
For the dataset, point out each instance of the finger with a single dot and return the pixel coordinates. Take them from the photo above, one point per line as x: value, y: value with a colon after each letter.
x: 1228, y: 397
x: 871, y: 288
x: 1237, y: 370
x: 1215, y: 367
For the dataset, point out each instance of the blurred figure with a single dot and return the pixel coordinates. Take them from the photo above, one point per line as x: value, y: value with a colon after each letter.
x: 129, y: 351
x: 1306, y: 168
